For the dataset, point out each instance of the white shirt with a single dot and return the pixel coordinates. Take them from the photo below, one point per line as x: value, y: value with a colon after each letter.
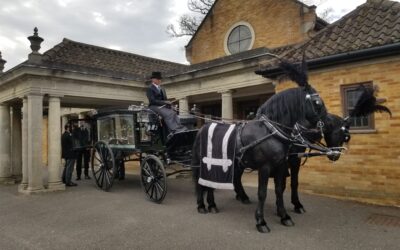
x: 157, y: 86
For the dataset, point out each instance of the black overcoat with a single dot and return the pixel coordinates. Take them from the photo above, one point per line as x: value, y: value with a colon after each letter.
x: 67, y: 145
x: 156, y: 97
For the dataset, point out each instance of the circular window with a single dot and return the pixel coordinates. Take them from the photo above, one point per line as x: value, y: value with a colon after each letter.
x: 240, y: 39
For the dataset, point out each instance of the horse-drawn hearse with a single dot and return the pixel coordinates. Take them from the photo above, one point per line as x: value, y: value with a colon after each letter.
x: 138, y: 134
x: 286, y: 125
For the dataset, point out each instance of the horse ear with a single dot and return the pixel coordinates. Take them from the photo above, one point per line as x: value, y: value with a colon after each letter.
x: 367, y: 103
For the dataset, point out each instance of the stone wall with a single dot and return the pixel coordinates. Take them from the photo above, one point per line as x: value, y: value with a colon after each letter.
x: 275, y: 22
x: 370, y: 170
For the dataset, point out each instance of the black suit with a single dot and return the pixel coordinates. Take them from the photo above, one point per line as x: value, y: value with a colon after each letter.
x: 83, y: 153
x: 68, y: 153
x: 157, y: 103
x: 156, y: 97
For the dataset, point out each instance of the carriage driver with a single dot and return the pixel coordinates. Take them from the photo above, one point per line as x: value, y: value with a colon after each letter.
x: 158, y: 103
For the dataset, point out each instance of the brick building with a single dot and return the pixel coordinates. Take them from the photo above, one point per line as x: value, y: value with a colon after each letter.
x: 362, y: 47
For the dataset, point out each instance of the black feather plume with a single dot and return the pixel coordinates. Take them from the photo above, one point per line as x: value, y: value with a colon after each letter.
x: 295, y: 72
x: 367, y: 103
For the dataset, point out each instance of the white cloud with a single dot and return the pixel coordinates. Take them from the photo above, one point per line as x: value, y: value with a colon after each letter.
x: 27, y: 4
x: 99, y: 18
x: 64, y: 3
x: 9, y: 8
x: 6, y: 43
x: 115, y: 47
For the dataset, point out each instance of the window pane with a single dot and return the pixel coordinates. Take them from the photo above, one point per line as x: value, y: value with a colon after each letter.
x: 239, y: 39
x: 234, y: 47
x: 351, y: 95
x: 244, y: 45
x: 244, y: 32
x: 234, y: 36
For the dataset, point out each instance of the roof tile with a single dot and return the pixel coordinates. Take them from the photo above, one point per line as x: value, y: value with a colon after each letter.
x: 99, y: 60
x: 375, y: 23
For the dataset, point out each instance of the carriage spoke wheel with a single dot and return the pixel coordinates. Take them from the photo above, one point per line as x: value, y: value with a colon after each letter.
x: 103, y: 165
x: 154, y: 178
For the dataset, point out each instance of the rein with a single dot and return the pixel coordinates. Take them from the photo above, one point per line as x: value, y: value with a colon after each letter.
x: 295, y: 138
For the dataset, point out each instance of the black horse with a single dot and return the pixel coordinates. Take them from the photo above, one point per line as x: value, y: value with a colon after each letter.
x: 335, y: 132
x: 268, y: 154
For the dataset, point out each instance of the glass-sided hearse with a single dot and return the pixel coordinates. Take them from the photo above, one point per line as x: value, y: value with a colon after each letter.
x: 138, y: 134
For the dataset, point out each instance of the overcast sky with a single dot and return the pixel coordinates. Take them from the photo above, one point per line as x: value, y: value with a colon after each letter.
x: 136, y: 26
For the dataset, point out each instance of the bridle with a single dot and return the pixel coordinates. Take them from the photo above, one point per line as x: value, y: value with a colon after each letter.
x: 316, y: 99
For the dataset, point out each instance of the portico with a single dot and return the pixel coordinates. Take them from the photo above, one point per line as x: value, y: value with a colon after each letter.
x: 32, y: 95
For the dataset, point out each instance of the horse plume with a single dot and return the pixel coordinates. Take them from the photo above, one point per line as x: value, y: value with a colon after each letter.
x: 295, y: 72
x: 367, y: 103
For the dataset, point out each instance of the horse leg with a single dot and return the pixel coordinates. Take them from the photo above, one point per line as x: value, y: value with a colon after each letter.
x: 212, y: 207
x: 263, y: 175
x: 195, y: 163
x: 237, y: 183
x: 280, y: 185
x: 294, y: 184
x: 201, y: 207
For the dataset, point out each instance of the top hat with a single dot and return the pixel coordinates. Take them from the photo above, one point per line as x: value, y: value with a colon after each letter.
x: 156, y: 75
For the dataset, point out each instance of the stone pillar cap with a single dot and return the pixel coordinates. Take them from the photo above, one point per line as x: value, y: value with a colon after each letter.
x: 2, y: 62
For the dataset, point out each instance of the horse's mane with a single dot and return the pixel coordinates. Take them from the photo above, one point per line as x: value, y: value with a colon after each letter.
x: 286, y: 107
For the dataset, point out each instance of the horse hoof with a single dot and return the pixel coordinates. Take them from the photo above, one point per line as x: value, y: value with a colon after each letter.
x: 246, y: 201
x: 263, y: 228
x: 287, y: 222
x: 213, y: 210
x: 243, y: 200
x: 202, y: 210
x: 299, y: 210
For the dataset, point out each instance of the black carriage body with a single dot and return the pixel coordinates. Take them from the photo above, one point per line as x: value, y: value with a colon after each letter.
x: 139, y: 130
x: 138, y: 134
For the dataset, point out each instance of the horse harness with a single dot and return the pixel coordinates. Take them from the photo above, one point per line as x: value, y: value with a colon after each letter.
x: 294, y: 138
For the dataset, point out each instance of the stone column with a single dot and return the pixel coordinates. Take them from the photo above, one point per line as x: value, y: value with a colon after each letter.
x: 24, y: 181
x: 5, y: 145
x: 16, y: 150
x: 54, y: 145
x: 183, y: 106
x: 64, y: 121
x: 227, y: 105
x: 35, y: 119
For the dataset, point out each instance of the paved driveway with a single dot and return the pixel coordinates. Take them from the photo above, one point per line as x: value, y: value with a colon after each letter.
x: 84, y: 217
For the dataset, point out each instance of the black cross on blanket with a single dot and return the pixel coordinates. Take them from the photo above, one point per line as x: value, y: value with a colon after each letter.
x: 217, y: 152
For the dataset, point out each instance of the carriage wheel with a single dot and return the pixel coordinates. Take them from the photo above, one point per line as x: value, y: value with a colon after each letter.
x: 154, y: 178
x: 103, y: 165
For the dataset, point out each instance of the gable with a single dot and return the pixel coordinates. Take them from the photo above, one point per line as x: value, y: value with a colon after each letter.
x: 275, y: 23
